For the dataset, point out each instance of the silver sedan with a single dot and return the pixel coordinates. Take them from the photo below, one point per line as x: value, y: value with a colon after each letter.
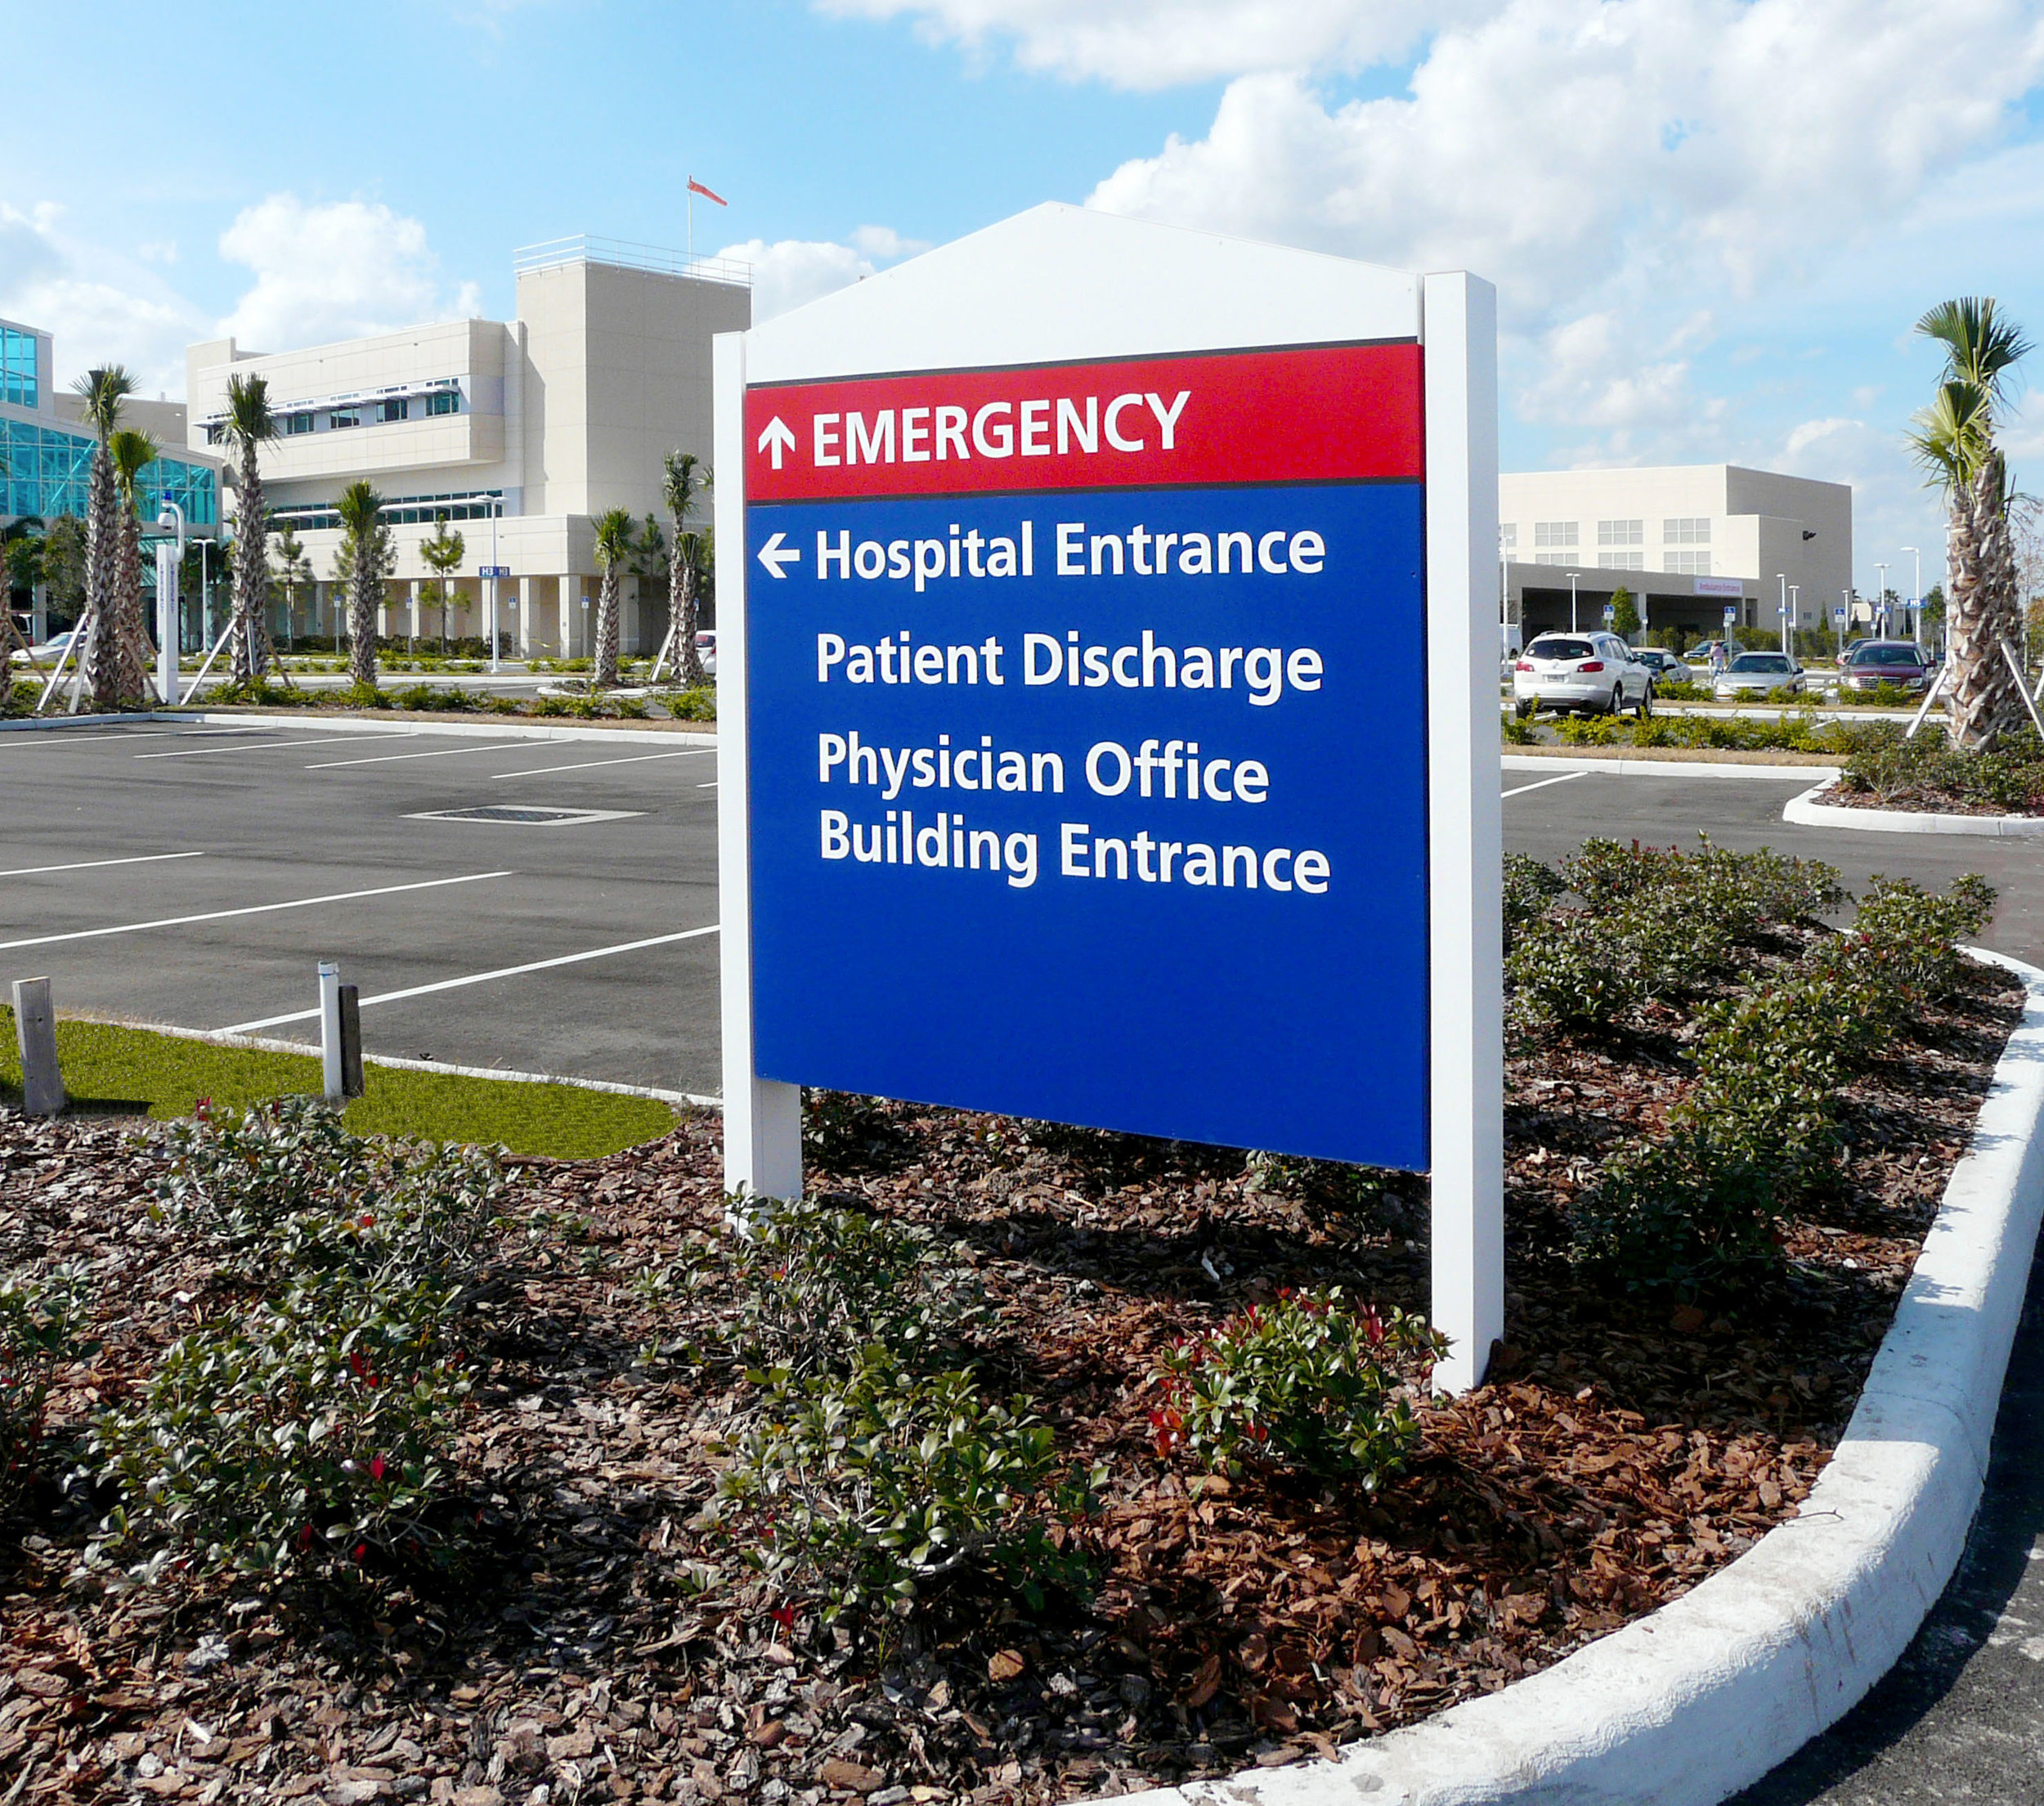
x: 1757, y: 674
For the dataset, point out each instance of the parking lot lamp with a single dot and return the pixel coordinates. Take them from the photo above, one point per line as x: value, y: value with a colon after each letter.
x: 494, y: 510
x: 1915, y: 596
x: 1782, y: 578
x: 1572, y: 577
x: 169, y: 562
x: 1883, y: 593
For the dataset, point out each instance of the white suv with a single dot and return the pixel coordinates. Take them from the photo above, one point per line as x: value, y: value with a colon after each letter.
x: 1594, y: 673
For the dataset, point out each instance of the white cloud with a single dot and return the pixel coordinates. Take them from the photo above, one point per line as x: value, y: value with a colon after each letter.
x: 336, y: 270
x: 1156, y: 43
x: 792, y: 271
x: 100, y: 307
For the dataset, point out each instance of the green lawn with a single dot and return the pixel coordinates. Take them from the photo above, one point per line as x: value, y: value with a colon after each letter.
x: 136, y: 1071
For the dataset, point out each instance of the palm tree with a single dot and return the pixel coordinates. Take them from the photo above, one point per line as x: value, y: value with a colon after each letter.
x: 249, y: 423
x: 132, y: 453
x: 1954, y: 441
x: 105, y: 389
x: 443, y: 553
x: 687, y: 481
x: 613, y: 551
x: 366, y: 556
x: 294, y: 568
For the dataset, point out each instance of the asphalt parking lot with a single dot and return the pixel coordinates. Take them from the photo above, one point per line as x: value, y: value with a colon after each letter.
x: 196, y: 877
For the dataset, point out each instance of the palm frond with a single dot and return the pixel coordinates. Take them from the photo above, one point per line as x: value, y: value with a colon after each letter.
x: 105, y: 389
x: 686, y: 479
x: 1982, y: 346
x: 249, y: 420
x: 614, y: 531
x: 1950, y: 438
x: 132, y: 452
x: 358, y: 507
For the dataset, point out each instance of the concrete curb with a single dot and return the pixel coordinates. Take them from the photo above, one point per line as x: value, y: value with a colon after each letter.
x: 271, y: 1044
x: 1686, y: 1706
x: 1659, y: 767
x: 459, y: 730
x: 1805, y: 811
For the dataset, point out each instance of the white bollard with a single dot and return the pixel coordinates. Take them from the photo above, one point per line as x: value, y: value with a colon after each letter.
x: 35, y: 1032
x: 330, y: 1029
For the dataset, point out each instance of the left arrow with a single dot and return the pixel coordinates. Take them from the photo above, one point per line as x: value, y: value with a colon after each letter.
x: 778, y: 438
x: 773, y: 556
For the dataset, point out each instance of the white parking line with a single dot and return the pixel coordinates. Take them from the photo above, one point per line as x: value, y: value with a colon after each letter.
x: 444, y: 752
x: 479, y: 978
x: 86, y: 865
x: 1543, y: 784
x: 636, y: 758
x: 252, y: 909
x: 262, y: 746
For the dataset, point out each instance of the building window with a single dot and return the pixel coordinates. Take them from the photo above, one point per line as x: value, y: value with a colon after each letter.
x: 344, y: 417
x: 1554, y: 532
x: 17, y: 368
x: 1687, y: 564
x: 1622, y: 561
x: 1554, y: 557
x: 1509, y: 538
x: 298, y: 423
x: 388, y: 411
x: 1688, y: 530
x: 445, y: 402
x: 1622, y: 533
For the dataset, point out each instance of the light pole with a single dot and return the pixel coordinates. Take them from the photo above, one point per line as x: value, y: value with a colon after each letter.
x: 1782, y: 577
x: 1915, y: 596
x: 494, y: 512
x: 1844, y: 616
x: 170, y: 560
x: 1572, y: 577
x: 1883, y: 593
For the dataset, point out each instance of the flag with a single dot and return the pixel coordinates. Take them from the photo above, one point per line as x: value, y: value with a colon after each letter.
x: 696, y: 187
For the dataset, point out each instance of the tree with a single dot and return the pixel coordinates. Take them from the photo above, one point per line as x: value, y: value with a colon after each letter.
x: 105, y: 389
x: 249, y: 423
x: 294, y: 568
x: 366, y: 555
x: 685, y: 483
x: 1954, y: 442
x: 1624, y: 616
x: 132, y: 453
x: 443, y: 553
x: 613, y: 552
x: 65, y: 558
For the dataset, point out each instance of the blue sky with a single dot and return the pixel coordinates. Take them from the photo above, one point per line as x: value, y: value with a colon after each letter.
x: 1711, y: 221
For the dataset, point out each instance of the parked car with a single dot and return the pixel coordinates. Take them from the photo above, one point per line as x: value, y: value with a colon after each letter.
x: 1594, y: 673
x: 46, y: 654
x: 1756, y: 674
x: 1872, y: 662
x: 706, y: 646
x: 1662, y: 663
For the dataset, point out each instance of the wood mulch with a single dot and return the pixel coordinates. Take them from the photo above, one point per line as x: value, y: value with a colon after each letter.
x: 1624, y: 1450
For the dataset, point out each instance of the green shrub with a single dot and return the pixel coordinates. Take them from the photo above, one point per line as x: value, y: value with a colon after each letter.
x: 1518, y: 733
x: 42, y: 1321
x: 1930, y: 771
x: 696, y: 705
x: 308, y: 1434
x: 1308, y: 1382
x: 814, y: 1287
x: 1530, y: 887
x: 1681, y: 689
x: 860, y: 1489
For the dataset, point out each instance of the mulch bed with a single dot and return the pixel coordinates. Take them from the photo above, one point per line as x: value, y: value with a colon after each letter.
x: 1624, y: 1450
x: 1919, y: 800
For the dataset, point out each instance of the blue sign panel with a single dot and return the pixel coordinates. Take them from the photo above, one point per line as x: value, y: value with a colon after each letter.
x: 1108, y: 807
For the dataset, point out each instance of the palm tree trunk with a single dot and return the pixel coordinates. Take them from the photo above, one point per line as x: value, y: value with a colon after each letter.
x: 132, y: 629
x: 605, y: 676
x: 1981, y: 612
x: 689, y: 664
x: 251, y: 642
x: 102, y: 660
x: 361, y: 620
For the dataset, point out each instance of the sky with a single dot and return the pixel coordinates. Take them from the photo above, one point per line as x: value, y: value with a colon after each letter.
x: 1711, y: 223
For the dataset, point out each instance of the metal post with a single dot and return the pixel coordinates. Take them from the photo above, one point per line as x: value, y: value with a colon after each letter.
x: 1915, y: 596
x: 1572, y: 577
x: 169, y: 562
x: 1783, y: 576
x: 494, y: 510
x: 35, y: 1034
x: 330, y: 1030
x: 349, y: 999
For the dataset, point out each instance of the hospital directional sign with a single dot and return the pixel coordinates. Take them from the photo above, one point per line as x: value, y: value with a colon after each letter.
x: 1087, y: 743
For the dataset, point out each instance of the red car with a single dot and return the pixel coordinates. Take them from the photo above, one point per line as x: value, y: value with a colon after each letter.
x: 1872, y: 662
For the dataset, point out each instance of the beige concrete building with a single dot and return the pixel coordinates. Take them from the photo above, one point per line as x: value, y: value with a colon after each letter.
x: 1687, y: 540
x: 520, y: 433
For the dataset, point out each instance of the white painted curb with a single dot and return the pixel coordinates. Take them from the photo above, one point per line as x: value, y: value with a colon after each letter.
x: 1662, y: 768
x: 499, y: 729
x: 1687, y: 1705
x: 1807, y: 812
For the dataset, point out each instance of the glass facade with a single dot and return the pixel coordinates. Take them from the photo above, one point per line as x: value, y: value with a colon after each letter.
x: 46, y: 473
x: 18, y: 381
x: 469, y: 504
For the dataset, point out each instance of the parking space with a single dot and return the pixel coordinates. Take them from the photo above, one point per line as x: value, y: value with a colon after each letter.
x: 1549, y: 815
x: 563, y: 920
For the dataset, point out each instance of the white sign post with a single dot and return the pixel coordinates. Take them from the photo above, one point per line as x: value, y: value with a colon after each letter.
x: 1025, y: 408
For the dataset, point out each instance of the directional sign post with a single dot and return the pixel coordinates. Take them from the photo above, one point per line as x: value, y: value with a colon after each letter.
x: 1107, y: 701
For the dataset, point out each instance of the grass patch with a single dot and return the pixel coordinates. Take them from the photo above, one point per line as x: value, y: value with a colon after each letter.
x: 133, y: 1071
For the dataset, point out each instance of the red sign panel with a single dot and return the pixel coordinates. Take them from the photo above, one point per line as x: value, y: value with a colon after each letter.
x: 1342, y: 413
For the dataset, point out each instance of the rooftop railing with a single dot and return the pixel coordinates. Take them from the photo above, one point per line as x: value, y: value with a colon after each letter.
x: 583, y: 249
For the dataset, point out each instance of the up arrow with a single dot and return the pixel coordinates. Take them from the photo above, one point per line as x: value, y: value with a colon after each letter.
x: 773, y: 556
x: 780, y: 437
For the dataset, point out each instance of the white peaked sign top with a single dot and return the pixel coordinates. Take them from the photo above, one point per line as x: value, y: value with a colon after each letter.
x: 1021, y: 406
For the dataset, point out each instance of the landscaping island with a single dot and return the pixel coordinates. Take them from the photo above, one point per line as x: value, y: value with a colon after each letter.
x: 1021, y: 1463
